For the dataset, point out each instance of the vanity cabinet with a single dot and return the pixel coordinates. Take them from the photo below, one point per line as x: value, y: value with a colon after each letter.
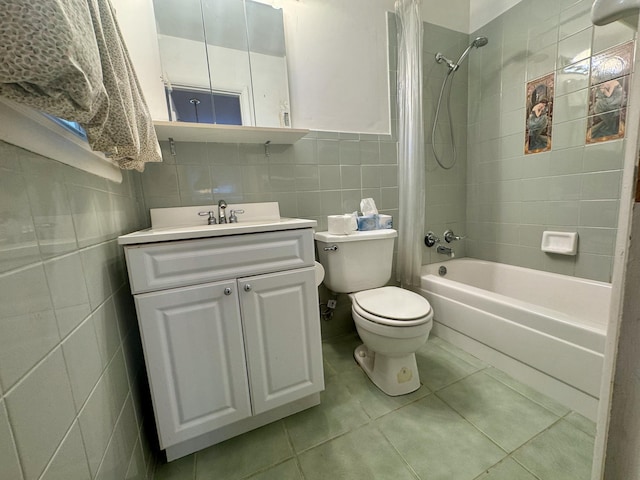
x: 230, y: 331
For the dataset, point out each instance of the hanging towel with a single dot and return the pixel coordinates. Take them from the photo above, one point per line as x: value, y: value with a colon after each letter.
x: 67, y: 58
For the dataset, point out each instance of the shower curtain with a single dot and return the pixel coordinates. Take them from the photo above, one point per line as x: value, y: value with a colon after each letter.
x: 411, y: 163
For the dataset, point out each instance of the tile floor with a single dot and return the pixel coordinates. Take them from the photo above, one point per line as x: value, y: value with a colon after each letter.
x: 468, y: 421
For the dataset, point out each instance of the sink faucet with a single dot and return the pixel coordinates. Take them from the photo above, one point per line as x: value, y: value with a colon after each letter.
x: 221, y: 216
x: 445, y: 250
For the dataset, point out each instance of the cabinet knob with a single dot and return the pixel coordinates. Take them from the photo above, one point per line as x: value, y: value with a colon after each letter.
x: 227, y: 291
x: 247, y: 287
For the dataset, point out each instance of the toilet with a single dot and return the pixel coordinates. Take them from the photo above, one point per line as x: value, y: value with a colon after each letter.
x: 392, y: 322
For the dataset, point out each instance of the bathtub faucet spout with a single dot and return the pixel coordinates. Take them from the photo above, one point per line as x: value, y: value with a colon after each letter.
x: 446, y: 251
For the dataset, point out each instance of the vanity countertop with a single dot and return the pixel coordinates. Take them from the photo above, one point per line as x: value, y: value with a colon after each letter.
x: 187, y: 223
x: 165, y: 234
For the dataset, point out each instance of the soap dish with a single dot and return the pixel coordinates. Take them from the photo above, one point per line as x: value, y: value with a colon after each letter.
x: 563, y: 243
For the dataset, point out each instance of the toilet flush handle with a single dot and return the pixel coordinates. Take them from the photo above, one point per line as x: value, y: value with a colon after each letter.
x: 332, y: 248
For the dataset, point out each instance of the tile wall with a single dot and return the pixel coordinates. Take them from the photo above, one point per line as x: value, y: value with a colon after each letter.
x: 445, y: 188
x: 72, y: 382
x: 325, y: 173
x: 513, y: 198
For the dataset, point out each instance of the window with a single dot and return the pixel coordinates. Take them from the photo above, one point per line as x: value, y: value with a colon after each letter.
x: 199, y: 106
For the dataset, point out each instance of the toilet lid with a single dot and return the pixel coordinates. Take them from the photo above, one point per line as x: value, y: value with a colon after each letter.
x: 393, y: 303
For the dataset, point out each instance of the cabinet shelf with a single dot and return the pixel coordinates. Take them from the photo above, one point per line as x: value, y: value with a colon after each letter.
x: 201, y: 132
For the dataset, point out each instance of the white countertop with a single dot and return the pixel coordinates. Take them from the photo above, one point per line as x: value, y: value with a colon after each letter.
x: 166, y: 234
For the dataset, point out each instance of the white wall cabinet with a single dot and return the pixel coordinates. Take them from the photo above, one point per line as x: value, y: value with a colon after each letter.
x: 226, y: 356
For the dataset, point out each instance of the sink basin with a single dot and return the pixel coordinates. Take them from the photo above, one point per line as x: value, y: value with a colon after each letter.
x: 190, y: 216
x: 183, y: 223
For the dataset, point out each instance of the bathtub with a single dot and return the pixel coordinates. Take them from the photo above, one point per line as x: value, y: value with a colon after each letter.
x: 544, y: 329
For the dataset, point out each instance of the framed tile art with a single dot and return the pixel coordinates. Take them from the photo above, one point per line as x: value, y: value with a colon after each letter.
x: 608, y: 93
x: 539, y: 114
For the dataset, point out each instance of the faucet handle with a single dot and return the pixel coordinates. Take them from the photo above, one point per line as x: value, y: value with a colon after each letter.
x: 430, y: 240
x: 232, y: 216
x: 212, y: 217
x: 449, y: 236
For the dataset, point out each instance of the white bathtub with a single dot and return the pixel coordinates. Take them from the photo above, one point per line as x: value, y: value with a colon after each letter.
x: 545, y: 329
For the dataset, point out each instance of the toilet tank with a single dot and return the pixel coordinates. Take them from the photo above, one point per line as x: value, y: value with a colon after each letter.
x: 356, y: 262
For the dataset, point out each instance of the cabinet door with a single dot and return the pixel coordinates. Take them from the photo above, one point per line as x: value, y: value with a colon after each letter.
x: 282, y: 337
x: 193, y: 347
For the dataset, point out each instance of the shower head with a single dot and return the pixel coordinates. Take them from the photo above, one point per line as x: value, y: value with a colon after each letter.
x: 480, y: 42
x: 477, y: 43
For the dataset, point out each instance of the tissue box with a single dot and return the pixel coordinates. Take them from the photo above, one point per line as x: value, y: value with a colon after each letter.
x: 385, y: 221
x: 368, y: 222
x: 375, y: 222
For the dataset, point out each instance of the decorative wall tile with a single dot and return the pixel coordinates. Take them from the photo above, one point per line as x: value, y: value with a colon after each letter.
x: 539, y: 114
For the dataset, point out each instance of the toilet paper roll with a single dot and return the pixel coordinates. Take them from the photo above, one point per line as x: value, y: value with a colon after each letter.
x: 341, y: 224
x: 319, y: 273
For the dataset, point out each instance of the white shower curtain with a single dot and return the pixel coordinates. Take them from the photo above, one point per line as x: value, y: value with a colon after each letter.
x: 411, y: 163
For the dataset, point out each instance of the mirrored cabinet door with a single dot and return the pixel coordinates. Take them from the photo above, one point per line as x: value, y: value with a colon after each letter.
x: 183, y: 53
x: 268, y: 58
x: 229, y: 67
x: 223, y: 62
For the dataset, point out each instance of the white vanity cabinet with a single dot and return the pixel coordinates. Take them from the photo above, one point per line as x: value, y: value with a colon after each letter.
x: 230, y: 331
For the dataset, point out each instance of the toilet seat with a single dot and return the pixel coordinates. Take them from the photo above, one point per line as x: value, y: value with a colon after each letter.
x: 392, y: 306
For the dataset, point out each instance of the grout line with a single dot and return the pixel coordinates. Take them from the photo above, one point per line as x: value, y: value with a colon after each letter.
x: 525, y: 468
x: 76, y: 421
x: 22, y: 378
x: 323, y: 442
x: 453, y: 382
x: 508, y: 457
x: 475, y: 426
x: 526, y: 396
x: 113, y: 433
x: 267, y: 468
x: 3, y: 406
x: 408, y: 465
x: 136, y: 445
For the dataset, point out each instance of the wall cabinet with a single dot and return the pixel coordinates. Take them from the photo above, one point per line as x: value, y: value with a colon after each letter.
x: 240, y: 349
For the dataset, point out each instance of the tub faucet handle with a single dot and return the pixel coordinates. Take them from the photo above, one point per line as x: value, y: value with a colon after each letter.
x: 430, y: 240
x: 449, y: 236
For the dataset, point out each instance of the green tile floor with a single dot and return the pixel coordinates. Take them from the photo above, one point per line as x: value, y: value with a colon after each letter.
x: 468, y: 421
